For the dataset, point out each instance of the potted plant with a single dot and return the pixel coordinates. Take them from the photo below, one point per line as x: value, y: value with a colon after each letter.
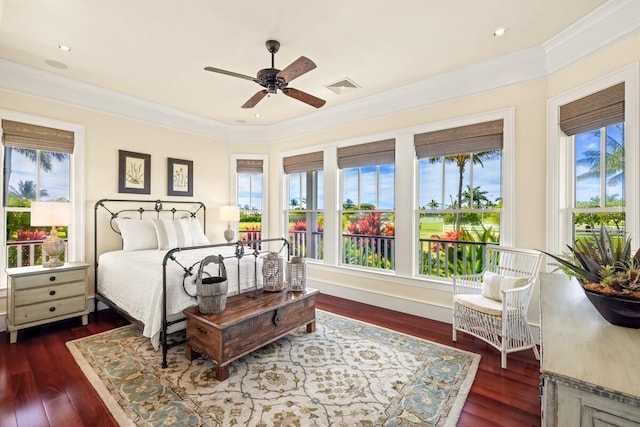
x: 609, y: 275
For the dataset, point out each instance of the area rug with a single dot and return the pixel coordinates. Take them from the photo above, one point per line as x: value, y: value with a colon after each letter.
x: 346, y: 373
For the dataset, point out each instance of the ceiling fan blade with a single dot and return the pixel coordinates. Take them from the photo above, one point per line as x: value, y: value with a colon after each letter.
x: 304, y: 97
x: 255, y: 99
x: 296, y: 69
x: 230, y: 73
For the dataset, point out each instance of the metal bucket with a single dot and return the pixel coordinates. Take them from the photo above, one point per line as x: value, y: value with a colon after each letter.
x: 212, y: 291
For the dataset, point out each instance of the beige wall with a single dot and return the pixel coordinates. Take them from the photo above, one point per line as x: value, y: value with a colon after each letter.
x: 106, y: 134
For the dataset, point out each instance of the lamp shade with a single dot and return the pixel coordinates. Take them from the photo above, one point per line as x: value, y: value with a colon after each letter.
x: 229, y: 213
x: 50, y: 214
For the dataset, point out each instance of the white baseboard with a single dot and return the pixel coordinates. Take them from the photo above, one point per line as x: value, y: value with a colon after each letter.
x: 416, y: 308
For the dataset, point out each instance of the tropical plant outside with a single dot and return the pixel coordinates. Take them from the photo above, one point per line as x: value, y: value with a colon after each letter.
x: 23, y: 241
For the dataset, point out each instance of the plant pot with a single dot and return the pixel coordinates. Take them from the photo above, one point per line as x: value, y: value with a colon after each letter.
x: 617, y: 311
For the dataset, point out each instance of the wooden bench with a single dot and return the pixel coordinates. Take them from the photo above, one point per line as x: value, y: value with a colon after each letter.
x: 249, y: 322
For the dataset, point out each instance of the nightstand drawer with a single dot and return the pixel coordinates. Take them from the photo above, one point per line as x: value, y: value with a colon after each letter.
x: 45, y: 278
x: 46, y: 310
x: 48, y: 293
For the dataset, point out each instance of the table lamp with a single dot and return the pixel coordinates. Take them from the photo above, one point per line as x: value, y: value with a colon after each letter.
x: 52, y: 214
x: 229, y: 213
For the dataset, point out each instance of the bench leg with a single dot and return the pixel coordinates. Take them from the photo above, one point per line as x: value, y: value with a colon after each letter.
x: 311, y: 327
x: 222, y: 372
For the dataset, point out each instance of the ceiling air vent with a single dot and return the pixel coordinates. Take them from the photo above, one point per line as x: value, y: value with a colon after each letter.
x: 342, y: 86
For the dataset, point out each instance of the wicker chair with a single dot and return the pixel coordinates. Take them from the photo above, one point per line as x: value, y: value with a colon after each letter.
x: 502, y: 324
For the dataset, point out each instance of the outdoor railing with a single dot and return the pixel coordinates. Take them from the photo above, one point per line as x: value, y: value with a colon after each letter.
x: 252, y: 235
x: 298, y: 244
x: 444, y: 258
x: 25, y: 253
x: 369, y: 251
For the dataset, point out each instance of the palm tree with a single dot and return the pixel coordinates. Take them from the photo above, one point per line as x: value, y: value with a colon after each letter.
x: 27, y: 190
x: 461, y: 161
x: 614, y: 160
x: 46, y: 163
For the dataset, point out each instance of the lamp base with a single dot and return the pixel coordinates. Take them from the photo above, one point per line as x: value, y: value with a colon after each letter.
x: 229, y: 234
x: 53, y: 247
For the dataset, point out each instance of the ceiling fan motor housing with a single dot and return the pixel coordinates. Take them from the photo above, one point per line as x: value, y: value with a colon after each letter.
x: 267, y: 79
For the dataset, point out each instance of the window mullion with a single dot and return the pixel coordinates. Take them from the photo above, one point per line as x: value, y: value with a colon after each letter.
x: 603, y: 167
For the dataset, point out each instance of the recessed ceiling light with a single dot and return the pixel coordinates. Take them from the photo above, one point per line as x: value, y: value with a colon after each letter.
x: 500, y: 31
x: 64, y: 47
x: 258, y: 115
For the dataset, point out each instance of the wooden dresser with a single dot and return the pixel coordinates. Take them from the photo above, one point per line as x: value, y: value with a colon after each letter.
x: 590, y: 369
x: 37, y: 295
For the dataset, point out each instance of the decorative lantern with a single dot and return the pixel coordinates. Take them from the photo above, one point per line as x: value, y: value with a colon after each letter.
x: 272, y: 273
x: 297, y: 274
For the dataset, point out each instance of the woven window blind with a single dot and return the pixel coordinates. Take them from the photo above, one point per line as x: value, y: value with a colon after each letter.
x: 248, y: 166
x: 474, y: 138
x: 304, y: 162
x: 24, y: 135
x: 369, y: 154
x: 594, y: 111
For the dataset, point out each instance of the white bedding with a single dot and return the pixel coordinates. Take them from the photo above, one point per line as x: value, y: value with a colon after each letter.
x: 133, y: 281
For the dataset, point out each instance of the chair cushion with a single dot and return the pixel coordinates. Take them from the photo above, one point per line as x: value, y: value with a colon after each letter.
x: 479, y: 303
x: 493, y: 284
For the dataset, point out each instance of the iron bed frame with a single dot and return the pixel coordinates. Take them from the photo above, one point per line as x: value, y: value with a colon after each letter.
x: 157, y: 209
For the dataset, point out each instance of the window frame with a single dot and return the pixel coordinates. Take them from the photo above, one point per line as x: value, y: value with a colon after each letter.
x: 560, y: 171
x: 307, y: 211
x: 77, y: 234
x: 342, y: 212
x: 233, y: 190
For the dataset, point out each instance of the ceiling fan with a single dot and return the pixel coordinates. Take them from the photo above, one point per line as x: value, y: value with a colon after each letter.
x: 273, y: 79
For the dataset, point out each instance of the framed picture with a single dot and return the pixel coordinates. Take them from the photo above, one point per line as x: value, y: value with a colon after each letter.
x: 179, y: 177
x: 134, y: 174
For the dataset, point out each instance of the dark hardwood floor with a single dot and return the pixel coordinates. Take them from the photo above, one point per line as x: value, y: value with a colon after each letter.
x: 41, y: 385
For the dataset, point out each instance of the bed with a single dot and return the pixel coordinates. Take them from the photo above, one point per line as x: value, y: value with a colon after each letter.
x: 147, y: 273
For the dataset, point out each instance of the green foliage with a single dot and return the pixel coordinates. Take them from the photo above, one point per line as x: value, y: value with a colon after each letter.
x: 603, y: 260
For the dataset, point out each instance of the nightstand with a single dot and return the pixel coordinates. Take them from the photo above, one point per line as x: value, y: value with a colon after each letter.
x: 37, y: 295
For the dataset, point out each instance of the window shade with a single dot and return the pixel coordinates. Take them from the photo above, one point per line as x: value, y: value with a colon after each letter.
x: 24, y: 135
x: 248, y: 166
x: 594, y: 111
x: 474, y: 138
x: 369, y: 154
x: 304, y: 162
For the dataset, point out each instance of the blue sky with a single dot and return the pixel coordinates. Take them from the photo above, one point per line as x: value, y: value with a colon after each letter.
x: 250, y: 191
x: 588, y: 189
x: 55, y: 182
x: 488, y: 178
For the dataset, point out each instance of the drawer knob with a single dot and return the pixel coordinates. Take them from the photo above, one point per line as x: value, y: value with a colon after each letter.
x: 52, y: 293
x: 52, y: 309
x: 52, y: 278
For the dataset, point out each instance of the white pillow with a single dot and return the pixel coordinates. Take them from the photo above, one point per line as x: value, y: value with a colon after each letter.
x: 137, y: 234
x: 198, y: 237
x: 494, y: 283
x: 172, y: 233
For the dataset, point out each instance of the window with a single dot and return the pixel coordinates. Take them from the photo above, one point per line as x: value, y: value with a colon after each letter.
x: 305, y: 208
x: 37, y: 163
x: 368, y: 204
x: 595, y: 122
x: 249, y: 185
x: 597, y: 159
x: 460, y: 197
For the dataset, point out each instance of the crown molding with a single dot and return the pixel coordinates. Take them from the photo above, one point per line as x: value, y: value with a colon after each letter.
x: 607, y: 24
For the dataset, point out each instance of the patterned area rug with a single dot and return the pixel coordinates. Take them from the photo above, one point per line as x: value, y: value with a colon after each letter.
x: 347, y: 373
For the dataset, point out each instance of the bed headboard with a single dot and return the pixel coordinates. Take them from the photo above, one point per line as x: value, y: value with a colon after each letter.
x: 107, y: 210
